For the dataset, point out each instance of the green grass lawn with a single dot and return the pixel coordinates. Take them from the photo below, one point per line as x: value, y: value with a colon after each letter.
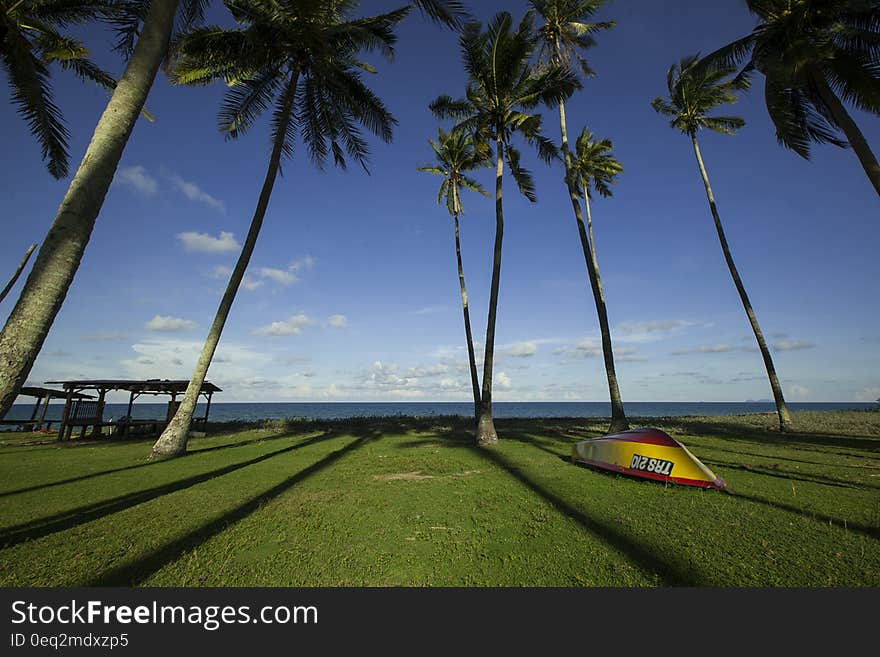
x: 411, y: 502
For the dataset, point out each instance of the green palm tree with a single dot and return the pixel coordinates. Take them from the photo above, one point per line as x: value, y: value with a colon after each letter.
x: 596, y: 169
x: 456, y: 156
x: 145, y: 28
x: 503, y: 87
x: 694, y: 90
x: 301, y: 59
x: 815, y: 55
x: 30, y: 42
x: 565, y: 34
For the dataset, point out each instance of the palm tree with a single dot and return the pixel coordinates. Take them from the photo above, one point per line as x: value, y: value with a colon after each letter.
x: 694, y: 90
x: 596, y: 169
x: 815, y: 55
x: 302, y: 58
x: 18, y: 270
x: 456, y: 156
x: 566, y: 32
x: 503, y: 86
x: 63, y: 246
x: 30, y: 41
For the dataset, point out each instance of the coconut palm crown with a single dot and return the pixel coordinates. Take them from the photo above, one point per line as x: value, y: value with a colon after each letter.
x: 456, y: 155
x: 303, y: 58
x: 567, y: 31
x: 696, y: 89
x: 503, y: 86
x: 31, y: 40
x: 594, y: 165
x: 815, y: 55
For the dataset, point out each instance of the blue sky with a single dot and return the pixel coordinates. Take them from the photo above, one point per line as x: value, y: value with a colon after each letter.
x: 352, y: 293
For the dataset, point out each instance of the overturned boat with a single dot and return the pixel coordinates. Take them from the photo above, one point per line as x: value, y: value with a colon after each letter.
x: 647, y: 453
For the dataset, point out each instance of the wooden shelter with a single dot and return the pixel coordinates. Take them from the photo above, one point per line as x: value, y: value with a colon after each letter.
x: 43, y: 396
x: 81, y: 413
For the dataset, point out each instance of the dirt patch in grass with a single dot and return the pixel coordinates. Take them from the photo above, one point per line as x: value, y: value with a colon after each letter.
x: 421, y: 476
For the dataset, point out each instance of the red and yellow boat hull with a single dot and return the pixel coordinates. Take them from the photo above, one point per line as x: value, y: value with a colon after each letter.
x: 649, y: 454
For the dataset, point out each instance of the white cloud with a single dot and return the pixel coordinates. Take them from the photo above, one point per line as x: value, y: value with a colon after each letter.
x: 195, y: 193
x: 798, y: 393
x: 429, y: 310
x: 709, y: 349
x: 280, y: 276
x: 205, y: 243
x: 503, y: 381
x: 337, y: 321
x: 292, y: 326
x: 105, y: 337
x: 172, y: 358
x: 167, y: 323
x: 793, y: 345
x: 137, y: 179
x: 522, y: 350
x: 868, y: 395
x: 307, y: 263
x: 650, y: 331
x: 584, y: 349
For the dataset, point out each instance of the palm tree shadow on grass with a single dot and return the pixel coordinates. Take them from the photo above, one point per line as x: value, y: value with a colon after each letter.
x: 80, y: 515
x: 758, y: 435
x: 668, y: 572
x: 132, y: 574
x: 871, y: 531
x: 868, y: 530
x: 145, y: 464
x: 780, y: 473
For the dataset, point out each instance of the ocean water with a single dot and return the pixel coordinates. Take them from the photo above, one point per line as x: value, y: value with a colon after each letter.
x: 333, y: 411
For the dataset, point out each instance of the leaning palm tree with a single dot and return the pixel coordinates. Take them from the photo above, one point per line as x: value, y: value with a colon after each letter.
x: 815, y: 55
x: 503, y: 86
x: 31, y: 41
x: 595, y: 169
x: 302, y: 58
x: 456, y: 157
x: 694, y: 90
x: 145, y: 28
x: 565, y: 33
x: 18, y: 270
x: 63, y: 246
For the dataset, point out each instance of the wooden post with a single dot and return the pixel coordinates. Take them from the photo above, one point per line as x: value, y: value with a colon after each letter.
x: 46, y: 401
x: 208, y: 410
x: 65, y: 414
x: 98, y: 429
x: 36, y: 408
x: 128, y: 415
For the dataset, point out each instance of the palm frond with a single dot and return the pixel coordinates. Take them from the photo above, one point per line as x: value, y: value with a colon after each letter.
x: 246, y: 100
x: 32, y: 95
x: 523, y: 177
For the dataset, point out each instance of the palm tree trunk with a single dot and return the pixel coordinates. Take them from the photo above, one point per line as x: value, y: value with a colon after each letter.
x: 174, y: 438
x: 593, y: 247
x: 618, y: 416
x: 584, y: 184
x: 21, y: 265
x: 486, y: 434
x: 851, y: 130
x: 475, y: 381
x: 785, y: 422
x: 62, y: 250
